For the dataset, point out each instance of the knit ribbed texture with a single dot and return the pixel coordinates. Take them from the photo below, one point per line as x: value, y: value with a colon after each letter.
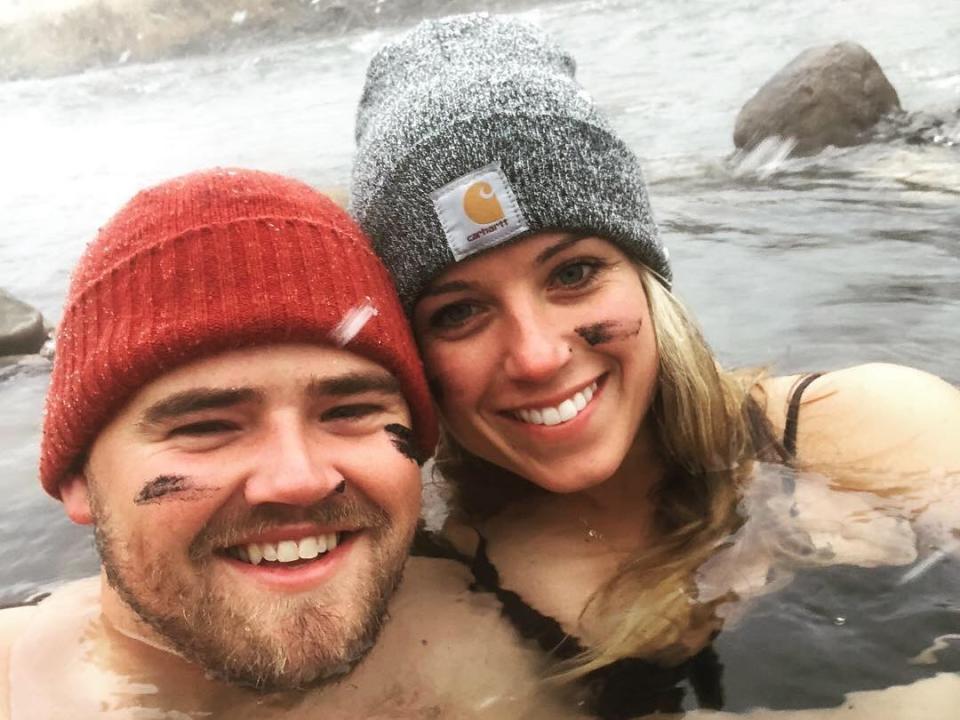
x: 460, y: 93
x: 205, y: 263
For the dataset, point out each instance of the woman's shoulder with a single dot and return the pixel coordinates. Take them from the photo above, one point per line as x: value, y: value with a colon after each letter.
x: 876, y: 416
x: 879, y: 385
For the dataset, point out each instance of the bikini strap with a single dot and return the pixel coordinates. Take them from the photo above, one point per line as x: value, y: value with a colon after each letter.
x: 432, y: 545
x: 793, y: 415
x: 528, y: 621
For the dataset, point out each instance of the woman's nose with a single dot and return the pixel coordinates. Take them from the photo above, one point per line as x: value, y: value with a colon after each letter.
x: 292, y: 469
x: 535, y: 348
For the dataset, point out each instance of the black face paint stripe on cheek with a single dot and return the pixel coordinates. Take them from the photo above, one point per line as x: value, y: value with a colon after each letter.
x: 597, y: 333
x: 607, y: 331
x: 402, y: 438
x: 174, y: 487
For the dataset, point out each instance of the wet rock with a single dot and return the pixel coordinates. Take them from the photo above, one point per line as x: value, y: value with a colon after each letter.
x: 925, y: 127
x: 21, y: 327
x: 828, y: 95
x: 24, y: 366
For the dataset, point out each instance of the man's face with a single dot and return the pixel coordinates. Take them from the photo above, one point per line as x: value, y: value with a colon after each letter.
x: 255, y: 509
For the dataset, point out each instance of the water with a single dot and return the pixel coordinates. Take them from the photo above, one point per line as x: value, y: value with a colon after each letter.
x: 811, y: 264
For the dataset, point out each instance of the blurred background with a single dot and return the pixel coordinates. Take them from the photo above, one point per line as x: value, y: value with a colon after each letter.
x: 850, y: 255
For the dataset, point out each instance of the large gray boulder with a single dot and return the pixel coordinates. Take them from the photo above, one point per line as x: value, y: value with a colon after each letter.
x: 829, y: 95
x: 21, y: 327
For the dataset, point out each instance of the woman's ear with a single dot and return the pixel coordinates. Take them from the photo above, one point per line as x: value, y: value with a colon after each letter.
x: 75, y: 494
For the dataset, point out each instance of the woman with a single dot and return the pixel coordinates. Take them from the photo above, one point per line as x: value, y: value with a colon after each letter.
x: 622, y: 494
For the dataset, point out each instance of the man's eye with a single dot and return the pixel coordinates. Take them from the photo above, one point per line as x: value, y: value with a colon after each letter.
x: 202, y: 428
x: 575, y: 274
x: 355, y: 411
x: 453, y: 315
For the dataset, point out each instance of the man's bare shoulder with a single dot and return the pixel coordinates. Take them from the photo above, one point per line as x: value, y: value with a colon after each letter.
x: 435, y: 615
x: 450, y: 648
x: 12, y: 622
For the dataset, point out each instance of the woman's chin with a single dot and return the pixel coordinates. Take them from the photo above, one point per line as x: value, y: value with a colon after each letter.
x: 566, y: 478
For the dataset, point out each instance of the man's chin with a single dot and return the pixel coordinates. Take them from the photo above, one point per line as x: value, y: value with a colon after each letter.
x: 255, y: 644
x: 329, y: 673
x: 304, y: 648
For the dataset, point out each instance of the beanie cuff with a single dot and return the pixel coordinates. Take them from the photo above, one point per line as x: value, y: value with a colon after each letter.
x: 566, y: 173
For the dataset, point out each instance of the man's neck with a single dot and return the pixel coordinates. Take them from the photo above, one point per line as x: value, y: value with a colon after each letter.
x: 124, y: 620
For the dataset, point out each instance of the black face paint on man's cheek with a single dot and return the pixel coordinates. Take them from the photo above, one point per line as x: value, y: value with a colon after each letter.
x: 608, y: 331
x: 169, y: 487
x: 402, y: 438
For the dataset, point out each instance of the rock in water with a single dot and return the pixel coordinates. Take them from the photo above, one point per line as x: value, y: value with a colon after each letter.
x: 829, y: 95
x: 21, y: 327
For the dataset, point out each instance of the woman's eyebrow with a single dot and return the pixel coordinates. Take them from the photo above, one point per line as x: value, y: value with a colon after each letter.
x: 546, y: 254
x: 560, y: 246
x: 448, y: 287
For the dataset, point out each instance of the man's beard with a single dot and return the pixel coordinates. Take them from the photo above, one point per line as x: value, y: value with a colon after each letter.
x: 272, y: 643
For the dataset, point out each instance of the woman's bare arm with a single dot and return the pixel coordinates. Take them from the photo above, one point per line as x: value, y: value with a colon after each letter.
x: 887, y: 424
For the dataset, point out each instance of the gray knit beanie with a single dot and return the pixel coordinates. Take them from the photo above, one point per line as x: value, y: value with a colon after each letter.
x: 472, y: 131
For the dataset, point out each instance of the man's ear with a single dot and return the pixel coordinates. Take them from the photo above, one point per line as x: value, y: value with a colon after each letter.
x: 75, y: 494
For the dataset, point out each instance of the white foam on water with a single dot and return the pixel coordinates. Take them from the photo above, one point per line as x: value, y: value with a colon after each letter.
x: 766, y: 159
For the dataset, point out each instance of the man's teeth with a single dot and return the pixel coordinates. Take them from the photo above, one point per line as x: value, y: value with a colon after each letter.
x: 286, y: 551
x: 567, y: 410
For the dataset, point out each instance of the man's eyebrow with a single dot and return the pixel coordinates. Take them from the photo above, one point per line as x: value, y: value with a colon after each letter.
x: 354, y: 384
x: 559, y: 247
x: 194, y: 400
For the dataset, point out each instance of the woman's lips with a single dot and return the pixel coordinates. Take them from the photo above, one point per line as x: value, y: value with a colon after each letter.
x: 563, y: 410
x: 565, y: 430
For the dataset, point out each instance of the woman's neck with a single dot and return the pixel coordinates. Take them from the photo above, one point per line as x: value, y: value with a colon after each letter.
x: 632, y: 486
x: 616, y: 515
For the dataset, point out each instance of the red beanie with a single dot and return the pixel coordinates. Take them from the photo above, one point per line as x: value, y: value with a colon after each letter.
x: 209, y: 262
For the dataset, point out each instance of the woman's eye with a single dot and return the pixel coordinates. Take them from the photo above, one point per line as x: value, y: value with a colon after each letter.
x: 453, y: 315
x: 355, y: 411
x: 574, y: 274
x: 203, y: 428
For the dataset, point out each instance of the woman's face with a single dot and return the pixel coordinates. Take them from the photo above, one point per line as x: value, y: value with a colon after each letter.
x: 542, y: 357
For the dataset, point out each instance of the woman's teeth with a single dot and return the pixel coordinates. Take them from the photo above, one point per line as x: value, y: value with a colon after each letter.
x: 285, y: 551
x: 567, y: 410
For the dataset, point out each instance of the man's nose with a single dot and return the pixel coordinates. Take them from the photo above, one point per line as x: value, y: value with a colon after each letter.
x: 291, y: 468
x: 535, y: 348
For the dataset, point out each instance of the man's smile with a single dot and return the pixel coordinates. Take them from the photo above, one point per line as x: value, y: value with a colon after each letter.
x: 286, y: 551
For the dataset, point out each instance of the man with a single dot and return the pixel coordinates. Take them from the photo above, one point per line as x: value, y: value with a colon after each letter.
x: 237, y: 407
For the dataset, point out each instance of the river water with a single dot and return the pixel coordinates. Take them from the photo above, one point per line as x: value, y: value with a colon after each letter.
x: 847, y: 257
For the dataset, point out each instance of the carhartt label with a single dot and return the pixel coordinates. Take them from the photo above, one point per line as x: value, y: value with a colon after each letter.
x: 478, y: 211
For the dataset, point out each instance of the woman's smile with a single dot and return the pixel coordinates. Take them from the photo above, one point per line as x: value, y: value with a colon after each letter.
x: 557, y: 413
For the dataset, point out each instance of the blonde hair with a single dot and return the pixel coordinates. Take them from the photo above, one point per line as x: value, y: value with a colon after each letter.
x: 709, y: 428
